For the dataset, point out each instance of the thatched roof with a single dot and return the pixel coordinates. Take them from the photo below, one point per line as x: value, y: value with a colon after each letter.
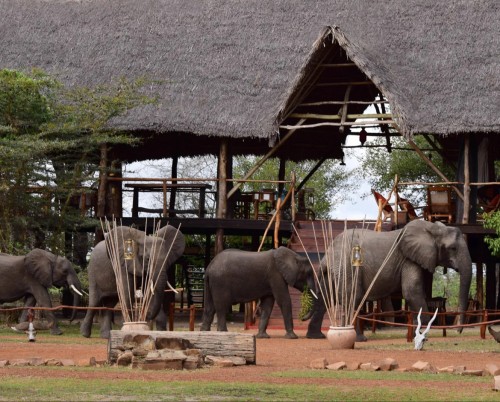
x: 231, y: 68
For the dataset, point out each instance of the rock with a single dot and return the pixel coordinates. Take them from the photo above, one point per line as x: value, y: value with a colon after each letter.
x: 388, y: 364
x: 447, y: 369
x: 53, y: 362
x: 125, y: 358
x: 4, y: 363
x: 173, y: 343
x: 219, y: 361
x: 491, y: 369
x: 19, y: 362
x: 192, y: 362
x: 37, y: 361
x: 92, y: 362
x: 353, y: 365
x: 496, y: 384
x: 153, y: 365
x: 369, y: 367
x: 318, y: 363
x: 477, y: 373
x: 459, y: 369
x: 337, y: 366
x: 425, y: 367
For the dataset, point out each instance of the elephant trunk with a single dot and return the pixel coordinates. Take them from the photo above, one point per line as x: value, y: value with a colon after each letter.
x: 465, y: 271
x: 157, y: 299
x: 75, y: 285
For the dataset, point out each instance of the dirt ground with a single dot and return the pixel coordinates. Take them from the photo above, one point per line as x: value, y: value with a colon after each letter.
x: 273, y: 355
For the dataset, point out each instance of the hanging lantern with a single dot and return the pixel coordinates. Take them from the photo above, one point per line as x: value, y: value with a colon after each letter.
x: 129, y: 252
x: 356, y: 256
x: 362, y: 136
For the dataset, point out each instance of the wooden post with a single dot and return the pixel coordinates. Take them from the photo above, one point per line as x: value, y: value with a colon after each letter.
x: 482, y: 330
x: 173, y: 190
x: 221, y: 194
x: 103, y: 182
x: 465, y: 216
x: 479, y: 285
x: 409, y: 321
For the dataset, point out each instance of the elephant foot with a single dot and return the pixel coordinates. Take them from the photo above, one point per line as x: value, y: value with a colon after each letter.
x: 315, y: 335
x: 85, y: 334
x: 55, y: 331
x: 291, y: 335
x: 262, y: 335
x: 361, y: 338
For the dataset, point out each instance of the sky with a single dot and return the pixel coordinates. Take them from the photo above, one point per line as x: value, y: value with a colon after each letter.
x: 358, y: 207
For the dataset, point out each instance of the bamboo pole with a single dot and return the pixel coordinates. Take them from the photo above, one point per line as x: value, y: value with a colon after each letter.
x: 347, y: 123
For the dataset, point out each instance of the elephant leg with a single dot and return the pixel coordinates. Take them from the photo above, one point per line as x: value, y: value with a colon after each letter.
x: 266, y: 306
x: 285, y: 304
x: 161, y: 320
x: 106, y: 323
x: 29, y: 301
x: 360, y: 336
x: 43, y: 300
x: 314, y: 327
x: 86, y: 325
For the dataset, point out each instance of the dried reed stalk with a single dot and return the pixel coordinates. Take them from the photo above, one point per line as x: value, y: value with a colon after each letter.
x: 340, y: 278
x: 128, y: 295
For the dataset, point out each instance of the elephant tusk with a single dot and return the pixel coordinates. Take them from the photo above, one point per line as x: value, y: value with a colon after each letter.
x: 314, y: 294
x: 171, y: 288
x: 74, y: 289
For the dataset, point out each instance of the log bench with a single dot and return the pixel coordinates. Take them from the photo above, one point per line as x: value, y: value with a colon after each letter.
x: 210, y: 343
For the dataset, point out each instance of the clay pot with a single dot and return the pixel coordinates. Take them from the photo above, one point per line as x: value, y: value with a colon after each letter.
x: 341, y: 337
x: 135, y: 326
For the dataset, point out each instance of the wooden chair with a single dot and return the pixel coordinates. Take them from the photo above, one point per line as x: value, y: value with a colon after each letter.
x: 440, y: 206
x: 195, y: 285
x: 264, y: 202
x: 386, y: 207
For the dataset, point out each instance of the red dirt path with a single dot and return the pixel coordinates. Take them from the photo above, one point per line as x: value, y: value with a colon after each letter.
x: 273, y: 355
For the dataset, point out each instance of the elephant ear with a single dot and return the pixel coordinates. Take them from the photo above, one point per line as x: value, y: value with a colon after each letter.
x: 286, y: 262
x: 419, y: 243
x: 171, y: 236
x: 39, y: 264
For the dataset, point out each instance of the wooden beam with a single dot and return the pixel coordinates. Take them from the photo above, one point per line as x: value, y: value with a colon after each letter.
x: 351, y: 102
x: 221, y: 194
x: 103, y: 182
x: 350, y: 123
x: 337, y: 65
x: 263, y: 159
x: 339, y: 117
x: 340, y: 84
x: 434, y: 167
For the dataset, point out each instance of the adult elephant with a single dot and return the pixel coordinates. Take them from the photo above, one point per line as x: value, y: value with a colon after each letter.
x: 164, y: 248
x: 422, y: 247
x: 31, y: 276
x: 236, y: 276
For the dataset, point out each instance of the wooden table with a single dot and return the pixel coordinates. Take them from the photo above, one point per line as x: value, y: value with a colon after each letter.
x: 165, y: 188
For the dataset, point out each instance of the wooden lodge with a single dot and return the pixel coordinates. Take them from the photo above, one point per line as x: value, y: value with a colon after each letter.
x: 289, y: 81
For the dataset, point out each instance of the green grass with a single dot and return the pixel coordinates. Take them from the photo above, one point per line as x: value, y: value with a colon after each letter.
x: 360, y: 385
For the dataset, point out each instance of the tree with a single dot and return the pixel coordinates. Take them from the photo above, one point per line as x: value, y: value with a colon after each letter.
x: 49, y: 141
x: 381, y: 167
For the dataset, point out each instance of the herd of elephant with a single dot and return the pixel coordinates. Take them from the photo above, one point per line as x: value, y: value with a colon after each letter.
x: 236, y: 276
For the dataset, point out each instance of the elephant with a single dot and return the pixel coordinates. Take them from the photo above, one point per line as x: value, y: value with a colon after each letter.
x: 167, y: 245
x: 31, y: 276
x: 236, y: 276
x: 422, y: 247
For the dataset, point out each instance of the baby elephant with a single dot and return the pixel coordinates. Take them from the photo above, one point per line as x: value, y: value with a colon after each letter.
x: 236, y: 276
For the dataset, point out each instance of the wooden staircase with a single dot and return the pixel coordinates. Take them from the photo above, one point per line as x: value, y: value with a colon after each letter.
x: 308, y: 240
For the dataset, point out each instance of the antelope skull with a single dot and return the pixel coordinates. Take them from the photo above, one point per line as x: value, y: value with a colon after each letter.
x: 420, y: 338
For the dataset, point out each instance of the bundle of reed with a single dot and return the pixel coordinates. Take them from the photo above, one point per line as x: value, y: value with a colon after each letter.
x: 136, y: 280
x: 337, y: 276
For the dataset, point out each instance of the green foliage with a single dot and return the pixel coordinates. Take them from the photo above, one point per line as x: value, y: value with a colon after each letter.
x: 50, y: 137
x: 492, y: 221
x: 306, y: 302
x: 381, y: 167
